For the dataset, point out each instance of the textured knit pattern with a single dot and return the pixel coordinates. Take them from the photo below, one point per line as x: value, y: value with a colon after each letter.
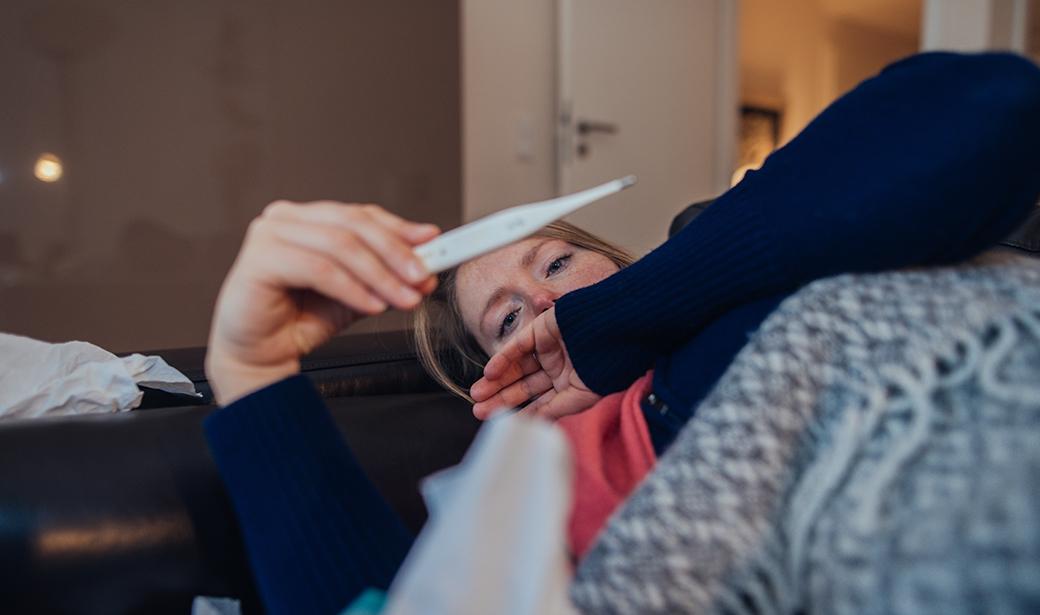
x: 874, y: 449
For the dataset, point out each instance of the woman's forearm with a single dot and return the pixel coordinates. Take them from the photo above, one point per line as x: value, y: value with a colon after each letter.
x: 316, y: 529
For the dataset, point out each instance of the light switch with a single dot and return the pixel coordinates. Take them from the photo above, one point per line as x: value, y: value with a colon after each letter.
x: 523, y: 144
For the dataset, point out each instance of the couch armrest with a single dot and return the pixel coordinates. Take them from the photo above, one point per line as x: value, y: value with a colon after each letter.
x: 125, y: 513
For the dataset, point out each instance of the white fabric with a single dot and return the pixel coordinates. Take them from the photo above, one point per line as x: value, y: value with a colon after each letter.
x: 43, y: 379
x: 496, y: 538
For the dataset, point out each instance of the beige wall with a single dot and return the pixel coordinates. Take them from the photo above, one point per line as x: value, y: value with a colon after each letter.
x: 861, y: 51
x: 799, y: 55
x: 179, y: 121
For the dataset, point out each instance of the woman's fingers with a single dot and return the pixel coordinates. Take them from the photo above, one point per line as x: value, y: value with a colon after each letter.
x: 292, y: 267
x: 512, y: 372
x: 534, y: 407
x: 341, y: 265
x: 510, y: 364
x: 513, y: 395
x: 371, y: 244
x: 526, y: 350
x: 533, y: 368
x: 543, y: 399
x: 571, y: 400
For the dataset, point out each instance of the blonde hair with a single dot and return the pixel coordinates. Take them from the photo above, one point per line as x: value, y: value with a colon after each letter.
x: 446, y: 349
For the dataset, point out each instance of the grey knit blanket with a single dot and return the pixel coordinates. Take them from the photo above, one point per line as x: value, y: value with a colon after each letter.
x: 874, y: 449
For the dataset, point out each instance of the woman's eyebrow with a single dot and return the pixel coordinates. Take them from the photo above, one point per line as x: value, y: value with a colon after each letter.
x: 492, y: 300
x: 529, y: 256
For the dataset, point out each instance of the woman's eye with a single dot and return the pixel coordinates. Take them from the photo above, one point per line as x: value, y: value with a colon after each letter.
x: 507, y: 322
x: 557, y: 264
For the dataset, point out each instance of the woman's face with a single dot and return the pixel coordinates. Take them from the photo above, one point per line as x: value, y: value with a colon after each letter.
x: 502, y: 291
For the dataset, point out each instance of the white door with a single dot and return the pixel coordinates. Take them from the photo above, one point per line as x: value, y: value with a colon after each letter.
x: 646, y: 87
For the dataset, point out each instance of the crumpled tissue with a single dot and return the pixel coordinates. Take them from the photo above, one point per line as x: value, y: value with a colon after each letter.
x: 44, y: 379
x: 496, y: 540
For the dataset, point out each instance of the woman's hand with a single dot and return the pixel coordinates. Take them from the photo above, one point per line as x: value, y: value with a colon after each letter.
x: 304, y: 273
x: 533, y: 365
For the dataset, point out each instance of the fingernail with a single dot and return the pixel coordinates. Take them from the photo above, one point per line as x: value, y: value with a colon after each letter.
x: 409, y: 295
x: 415, y: 271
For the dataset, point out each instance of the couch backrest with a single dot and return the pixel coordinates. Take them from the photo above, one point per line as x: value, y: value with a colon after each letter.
x: 350, y: 364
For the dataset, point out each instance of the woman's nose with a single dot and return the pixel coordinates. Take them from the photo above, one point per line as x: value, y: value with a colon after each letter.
x: 543, y: 300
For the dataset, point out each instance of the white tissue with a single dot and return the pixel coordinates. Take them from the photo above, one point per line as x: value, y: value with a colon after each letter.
x: 43, y: 379
x: 496, y: 539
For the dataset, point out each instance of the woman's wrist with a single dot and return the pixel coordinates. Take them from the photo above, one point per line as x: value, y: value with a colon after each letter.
x: 232, y: 379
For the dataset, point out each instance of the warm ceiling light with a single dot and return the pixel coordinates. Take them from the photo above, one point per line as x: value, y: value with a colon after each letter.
x: 48, y: 168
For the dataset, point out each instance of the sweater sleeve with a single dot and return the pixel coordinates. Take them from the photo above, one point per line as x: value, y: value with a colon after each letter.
x: 317, y: 531
x: 930, y: 162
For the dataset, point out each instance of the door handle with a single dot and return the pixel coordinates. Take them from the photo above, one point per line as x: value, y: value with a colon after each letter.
x: 587, y: 126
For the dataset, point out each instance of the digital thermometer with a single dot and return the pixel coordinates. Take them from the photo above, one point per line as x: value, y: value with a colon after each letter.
x: 507, y: 226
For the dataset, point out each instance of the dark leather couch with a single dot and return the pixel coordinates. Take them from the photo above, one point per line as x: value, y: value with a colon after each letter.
x: 125, y: 513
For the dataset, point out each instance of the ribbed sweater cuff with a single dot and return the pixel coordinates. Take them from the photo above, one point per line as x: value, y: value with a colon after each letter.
x: 316, y: 529
x: 720, y: 260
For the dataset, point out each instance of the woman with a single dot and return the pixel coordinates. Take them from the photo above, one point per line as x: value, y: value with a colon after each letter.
x: 896, y: 173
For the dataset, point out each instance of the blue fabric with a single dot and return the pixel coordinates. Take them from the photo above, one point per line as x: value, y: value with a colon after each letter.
x: 683, y: 378
x: 317, y: 530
